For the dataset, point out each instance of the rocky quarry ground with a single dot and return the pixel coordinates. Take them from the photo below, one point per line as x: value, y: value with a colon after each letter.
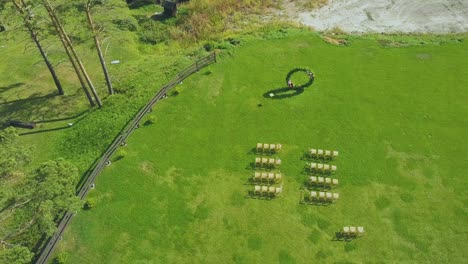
x: 383, y: 16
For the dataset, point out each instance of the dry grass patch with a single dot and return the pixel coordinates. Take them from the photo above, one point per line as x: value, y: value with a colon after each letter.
x: 312, y: 4
x: 335, y: 41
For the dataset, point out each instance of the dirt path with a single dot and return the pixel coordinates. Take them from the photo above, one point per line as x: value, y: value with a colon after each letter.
x: 422, y: 16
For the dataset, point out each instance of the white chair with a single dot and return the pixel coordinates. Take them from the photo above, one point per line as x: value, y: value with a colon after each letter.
x: 320, y: 153
x: 277, y: 162
x: 264, y: 176
x: 334, y: 181
x: 346, y: 230
x: 278, y: 177
x: 333, y: 168
x: 272, y: 147
x: 266, y: 147
x: 313, y: 194
x: 271, y: 176
x: 335, y: 154
x: 328, y: 181
x: 279, y: 147
x: 328, y: 153
x: 321, y: 195
x: 258, y: 161
x: 329, y: 196
x: 313, y: 166
x: 313, y: 179
x: 360, y: 230
x: 258, y: 189
x: 264, y: 161
x: 279, y: 190
x: 264, y: 189
x: 259, y: 146
x: 320, y: 167
x: 326, y: 167
x: 272, y: 190
x: 271, y: 161
x: 336, y: 196
x: 257, y: 176
x: 313, y: 153
x: 321, y: 180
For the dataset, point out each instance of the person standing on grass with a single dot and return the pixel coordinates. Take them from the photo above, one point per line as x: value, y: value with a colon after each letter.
x: 290, y: 84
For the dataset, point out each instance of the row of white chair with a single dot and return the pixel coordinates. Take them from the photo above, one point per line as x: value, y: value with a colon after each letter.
x: 320, y: 167
x: 352, y: 230
x: 320, y: 153
x: 267, y: 176
x: 269, y: 147
x: 269, y: 190
x: 324, y: 196
x: 323, y: 181
x: 267, y: 162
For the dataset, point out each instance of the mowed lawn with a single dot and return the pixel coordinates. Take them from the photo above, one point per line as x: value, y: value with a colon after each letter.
x: 398, y: 116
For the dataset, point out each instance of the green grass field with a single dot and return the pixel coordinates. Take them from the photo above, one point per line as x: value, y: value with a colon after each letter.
x: 397, y: 116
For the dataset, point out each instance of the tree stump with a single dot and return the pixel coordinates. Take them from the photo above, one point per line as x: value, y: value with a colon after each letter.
x: 170, y: 8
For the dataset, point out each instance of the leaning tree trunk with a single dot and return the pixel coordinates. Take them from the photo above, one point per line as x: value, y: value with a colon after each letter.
x: 47, y: 62
x: 33, y: 33
x: 80, y: 64
x: 79, y: 69
x: 98, y: 48
x: 70, y: 57
x: 83, y: 70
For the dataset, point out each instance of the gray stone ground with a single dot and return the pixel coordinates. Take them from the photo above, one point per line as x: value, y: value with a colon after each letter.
x: 408, y: 16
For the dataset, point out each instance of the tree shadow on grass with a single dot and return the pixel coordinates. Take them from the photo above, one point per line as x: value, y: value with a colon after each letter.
x: 32, y: 97
x: 283, y: 93
x: 252, y: 151
x: 79, y: 118
x: 262, y: 197
x: 43, y: 131
x: 251, y: 166
x: 339, y: 236
x: 79, y: 115
x: 40, y: 108
x: 11, y: 86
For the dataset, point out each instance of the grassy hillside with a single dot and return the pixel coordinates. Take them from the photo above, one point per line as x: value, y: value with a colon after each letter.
x: 397, y: 116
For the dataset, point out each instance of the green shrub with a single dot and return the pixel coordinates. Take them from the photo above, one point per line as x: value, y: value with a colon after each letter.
x: 121, y: 153
x: 152, y: 32
x: 233, y: 41
x: 90, y: 203
x: 61, y: 258
x: 224, y: 45
x: 126, y: 24
x: 220, y: 45
x: 150, y: 120
x: 208, y: 46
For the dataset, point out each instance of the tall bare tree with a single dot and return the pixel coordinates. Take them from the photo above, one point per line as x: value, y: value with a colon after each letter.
x: 68, y: 45
x: 25, y: 11
x: 89, y: 4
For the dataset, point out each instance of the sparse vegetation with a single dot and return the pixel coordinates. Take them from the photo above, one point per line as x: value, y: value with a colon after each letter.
x: 312, y: 4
